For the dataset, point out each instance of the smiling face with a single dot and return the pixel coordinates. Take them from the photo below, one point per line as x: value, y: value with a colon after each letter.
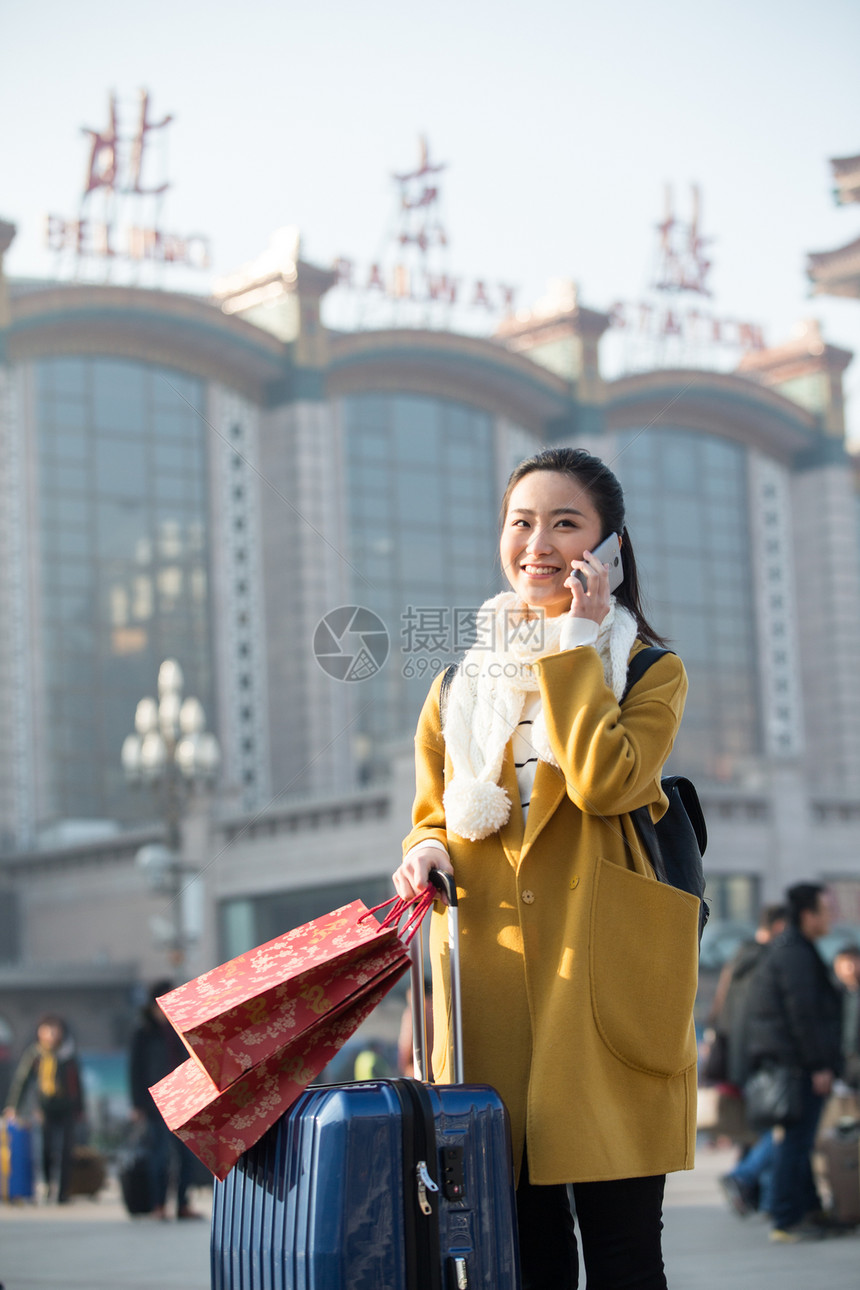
x: 550, y: 521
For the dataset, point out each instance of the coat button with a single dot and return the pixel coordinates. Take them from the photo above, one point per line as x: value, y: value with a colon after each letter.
x: 528, y: 897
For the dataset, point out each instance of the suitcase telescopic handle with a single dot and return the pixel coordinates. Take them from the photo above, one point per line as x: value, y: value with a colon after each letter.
x: 444, y: 883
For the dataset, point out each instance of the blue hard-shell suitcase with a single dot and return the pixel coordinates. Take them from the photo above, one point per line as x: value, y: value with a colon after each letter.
x: 16, y: 1161
x: 380, y: 1185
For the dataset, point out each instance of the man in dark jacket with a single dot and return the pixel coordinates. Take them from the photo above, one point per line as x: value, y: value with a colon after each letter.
x: 156, y: 1050
x: 794, y: 1020
x: 747, y: 1186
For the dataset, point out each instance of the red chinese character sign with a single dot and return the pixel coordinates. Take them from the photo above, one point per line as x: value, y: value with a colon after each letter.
x: 683, y: 265
x: 101, y: 172
x: 412, y: 282
x: 669, y: 326
x: 119, y: 220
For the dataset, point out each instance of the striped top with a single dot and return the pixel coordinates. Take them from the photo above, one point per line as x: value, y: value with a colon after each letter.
x: 575, y: 632
x: 525, y: 757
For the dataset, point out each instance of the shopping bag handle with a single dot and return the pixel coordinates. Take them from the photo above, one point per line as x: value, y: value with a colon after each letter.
x: 416, y: 908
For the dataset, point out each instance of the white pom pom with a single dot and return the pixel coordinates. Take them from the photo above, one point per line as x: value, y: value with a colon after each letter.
x: 475, y: 809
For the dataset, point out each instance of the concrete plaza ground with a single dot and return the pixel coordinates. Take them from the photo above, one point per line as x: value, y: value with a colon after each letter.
x: 93, y: 1245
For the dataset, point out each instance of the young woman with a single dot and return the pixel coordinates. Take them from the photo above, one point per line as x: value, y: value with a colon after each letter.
x: 579, y: 968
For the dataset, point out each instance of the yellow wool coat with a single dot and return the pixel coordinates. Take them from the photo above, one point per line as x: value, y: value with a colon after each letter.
x: 579, y: 969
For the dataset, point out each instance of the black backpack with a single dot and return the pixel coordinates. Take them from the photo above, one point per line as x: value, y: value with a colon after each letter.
x: 676, y: 843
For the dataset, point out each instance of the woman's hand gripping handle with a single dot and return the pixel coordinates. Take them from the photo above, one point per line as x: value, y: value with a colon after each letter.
x: 413, y: 875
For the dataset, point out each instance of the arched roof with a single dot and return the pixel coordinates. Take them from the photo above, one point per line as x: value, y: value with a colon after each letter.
x: 733, y: 407
x: 172, y: 330
x: 439, y: 364
x: 193, y: 335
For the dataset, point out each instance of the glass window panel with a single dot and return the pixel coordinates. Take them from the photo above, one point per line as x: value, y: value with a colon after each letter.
x: 373, y: 447
x: 415, y: 516
x: 67, y: 477
x: 462, y: 487
x: 721, y: 457
x: 171, y: 389
x: 689, y: 556
x: 412, y: 548
x: 121, y: 467
x: 119, y: 400
x: 103, y: 605
x: 173, y: 486
x: 692, y: 637
x: 68, y: 606
x: 678, y: 462
x: 71, y: 446
x: 174, y: 423
x: 66, y: 414
x: 682, y: 523
x: 168, y: 455
x: 71, y: 575
x: 734, y: 541
x: 123, y: 532
x: 71, y: 511
x: 65, y: 375
x: 373, y: 477
x: 419, y: 496
x: 69, y: 541
x: 412, y: 415
x: 718, y: 486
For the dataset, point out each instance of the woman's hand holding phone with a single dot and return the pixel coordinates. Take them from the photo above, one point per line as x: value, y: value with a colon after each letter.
x: 594, y: 578
x: 592, y: 600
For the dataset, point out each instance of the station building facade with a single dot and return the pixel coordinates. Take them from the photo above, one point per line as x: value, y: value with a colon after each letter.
x: 208, y: 479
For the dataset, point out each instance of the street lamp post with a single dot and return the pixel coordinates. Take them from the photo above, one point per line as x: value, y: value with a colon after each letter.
x: 171, y: 752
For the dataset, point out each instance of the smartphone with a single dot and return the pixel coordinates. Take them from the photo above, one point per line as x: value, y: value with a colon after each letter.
x: 608, y: 552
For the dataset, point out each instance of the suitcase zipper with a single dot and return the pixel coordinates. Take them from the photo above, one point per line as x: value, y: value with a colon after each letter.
x: 425, y: 1184
x: 423, y: 1251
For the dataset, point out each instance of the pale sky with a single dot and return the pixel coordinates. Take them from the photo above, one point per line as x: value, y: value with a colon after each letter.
x: 560, y: 123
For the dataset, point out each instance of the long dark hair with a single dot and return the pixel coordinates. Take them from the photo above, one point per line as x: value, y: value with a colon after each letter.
x: 596, y: 479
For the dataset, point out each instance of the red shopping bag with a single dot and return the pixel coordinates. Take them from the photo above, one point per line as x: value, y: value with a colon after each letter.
x: 308, y: 992
x: 235, y: 1016
x: 220, y: 1125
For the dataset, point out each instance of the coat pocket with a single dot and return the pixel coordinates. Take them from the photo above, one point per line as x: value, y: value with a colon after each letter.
x: 643, y: 964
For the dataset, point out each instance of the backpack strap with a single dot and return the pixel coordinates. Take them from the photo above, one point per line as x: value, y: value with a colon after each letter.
x: 639, y: 664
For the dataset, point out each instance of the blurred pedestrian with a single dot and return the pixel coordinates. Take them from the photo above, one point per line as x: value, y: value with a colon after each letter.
x: 48, y: 1073
x: 794, y: 1021
x: 747, y: 1186
x: 156, y: 1050
x: 370, y: 1062
x: 846, y: 968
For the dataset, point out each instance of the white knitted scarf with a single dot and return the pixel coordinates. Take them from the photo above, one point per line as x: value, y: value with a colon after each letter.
x: 486, y: 698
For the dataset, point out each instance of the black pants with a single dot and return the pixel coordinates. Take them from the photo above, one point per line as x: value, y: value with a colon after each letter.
x: 620, y: 1223
x: 58, y: 1139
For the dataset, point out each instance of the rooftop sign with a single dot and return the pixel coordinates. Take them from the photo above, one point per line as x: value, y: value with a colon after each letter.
x: 413, y: 274
x: 668, y: 324
x: 119, y: 215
